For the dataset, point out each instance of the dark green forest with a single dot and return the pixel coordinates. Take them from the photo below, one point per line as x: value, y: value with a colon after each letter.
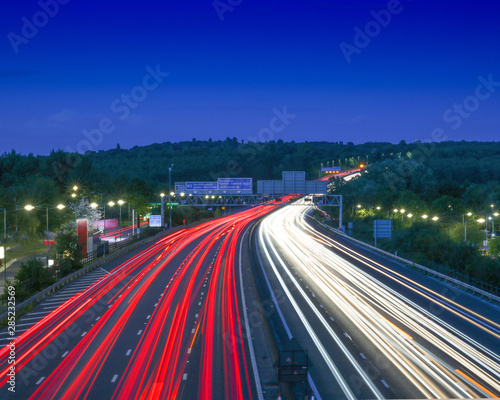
x: 448, y: 180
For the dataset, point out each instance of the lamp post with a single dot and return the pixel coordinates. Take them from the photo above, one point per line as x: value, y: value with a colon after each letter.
x: 481, y: 220
x: 162, y: 204
x: 493, y: 215
x: 4, y: 223
x: 120, y: 203
x: 402, y: 211
x: 171, y: 193
x: 110, y: 204
x: 170, y: 210
x: 465, y: 224
x: 29, y: 207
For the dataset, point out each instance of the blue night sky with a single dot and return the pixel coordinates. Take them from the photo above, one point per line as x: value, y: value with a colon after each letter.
x: 230, y: 69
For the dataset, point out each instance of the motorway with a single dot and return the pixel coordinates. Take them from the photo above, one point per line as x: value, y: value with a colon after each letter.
x: 166, y: 323
x: 372, y: 328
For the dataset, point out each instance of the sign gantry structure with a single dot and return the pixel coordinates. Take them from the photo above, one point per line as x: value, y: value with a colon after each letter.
x: 238, y: 192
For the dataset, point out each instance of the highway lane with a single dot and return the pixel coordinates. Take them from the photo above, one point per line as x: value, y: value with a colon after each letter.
x: 165, y: 324
x: 371, y: 329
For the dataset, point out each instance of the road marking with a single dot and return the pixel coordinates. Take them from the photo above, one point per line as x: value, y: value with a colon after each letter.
x: 97, y: 319
x: 321, y: 305
x: 189, y: 350
x: 184, y: 377
x: 149, y: 316
x: 128, y: 352
x: 60, y: 301
x: 65, y: 354
x: 51, y: 307
x: 107, y: 272
x: 29, y: 324
x: 41, y: 312
x: 139, y: 332
x: 66, y: 296
x: 40, y: 380
x: 362, y: 356
x: 114, y: 378
x: 83, y: 334
x: 385, y: 383
x: 29, y: 319
x: 199, y: 303
x: 332, y: 319
x: 196, y: 316
x: 193, y: 330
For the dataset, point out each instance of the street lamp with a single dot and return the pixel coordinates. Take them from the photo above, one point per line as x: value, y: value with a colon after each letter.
x: 465, y: 224
x: 162, y: 209
x: 435, y: 218
x: 494, y: 214
x: 29, y: 207
x: 425, y: 216
x: 170, y: 209
x: 171, y: 193
x: 121, y: 203
x: 481, y: 220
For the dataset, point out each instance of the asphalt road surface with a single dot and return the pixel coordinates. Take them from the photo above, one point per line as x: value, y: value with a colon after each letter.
x: 374, y: 329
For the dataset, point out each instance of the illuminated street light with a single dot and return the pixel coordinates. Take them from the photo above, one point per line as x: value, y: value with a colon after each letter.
x: 73, y: 195
x: 29, y: 207
x: 359, y: 206
x: 75, y: 188
x: 435, y: 218
x: 424, y: 216
x: 410, y: 215
x: 464, y: 222
x: 111, y: 203
x: 94, y: 205
x: 60, y: 206
x: 395, y: 210
x: 121, y: 203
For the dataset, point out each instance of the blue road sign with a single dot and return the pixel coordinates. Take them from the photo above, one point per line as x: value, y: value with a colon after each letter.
x: 234, y: 184
x: 201, y: 186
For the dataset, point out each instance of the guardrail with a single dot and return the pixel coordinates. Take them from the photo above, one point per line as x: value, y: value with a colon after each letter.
x: 101, y: 261
x: 456, y: 282
x: 37, y: 298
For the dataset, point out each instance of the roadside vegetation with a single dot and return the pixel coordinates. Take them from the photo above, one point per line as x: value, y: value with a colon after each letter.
x: 442, y: 214
x: 446, y: 179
